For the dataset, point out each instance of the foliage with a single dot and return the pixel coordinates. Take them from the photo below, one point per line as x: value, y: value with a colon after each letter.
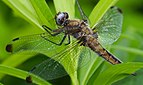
x: 37, y: 13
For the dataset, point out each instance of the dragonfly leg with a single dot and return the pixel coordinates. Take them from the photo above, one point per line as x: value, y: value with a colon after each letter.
x: 49, y: 30
x: 69, y: 41
x: 54, y: 42
x: 82, y: 41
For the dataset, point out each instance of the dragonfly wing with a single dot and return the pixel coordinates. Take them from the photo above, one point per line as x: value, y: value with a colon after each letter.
x: 84, y: 57
x: 110, y: 26
x: 82, y: 14
x: 65, y: 55
x: 36, y: 43
x: 51, y: 69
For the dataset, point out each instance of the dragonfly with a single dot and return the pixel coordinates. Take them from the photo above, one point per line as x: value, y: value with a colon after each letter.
x: 59, y: 45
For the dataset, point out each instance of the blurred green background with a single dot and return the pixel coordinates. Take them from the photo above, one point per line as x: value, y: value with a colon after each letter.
x: 128, y: 48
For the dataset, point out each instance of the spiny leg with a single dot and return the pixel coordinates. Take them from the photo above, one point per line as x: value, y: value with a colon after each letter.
x: 82, y: 41
x: 49, y: 30
x: 54, y: 42
x: 69, y: 41
x: 46, y: 65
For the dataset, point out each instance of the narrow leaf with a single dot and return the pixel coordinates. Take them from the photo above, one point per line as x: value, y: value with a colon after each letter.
x: 85, y: 72
x: 45, y: 16
x: 117, y: 72
x: 99, y: 10
x: 21, y: 74
x: 13, y: 62
x: 29, y: 10
x: 65, y: 6
x: 128, y: 49
x: 1, y: 84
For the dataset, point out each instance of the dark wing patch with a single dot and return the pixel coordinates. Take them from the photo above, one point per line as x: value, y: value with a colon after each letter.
x: 29, y: 79
x: 15, y: 39
x: 9, y: 48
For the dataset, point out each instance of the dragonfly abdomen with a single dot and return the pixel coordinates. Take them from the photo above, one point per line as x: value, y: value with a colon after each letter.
x: 94, y: 45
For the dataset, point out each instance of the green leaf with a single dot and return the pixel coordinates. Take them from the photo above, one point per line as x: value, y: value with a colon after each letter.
x: 117, y: 72
x: 31, y: 11
x: 13, y: 62
x: 65, y: 6
x: 128, y: 49
x: 85, y: 72
x: 45, y: 16
x: 64, y: 54
x: 95, y: 74
x: 88, y: 59
x: 35, y: 13
x: 1, y: 84
x: 22, y: 57
x: 99, y: 10
x: 21, y: 74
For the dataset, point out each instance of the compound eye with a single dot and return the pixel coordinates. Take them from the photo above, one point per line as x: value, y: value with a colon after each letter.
x: 66, y: 15
x: 60, y: 18
x: 59, y: 21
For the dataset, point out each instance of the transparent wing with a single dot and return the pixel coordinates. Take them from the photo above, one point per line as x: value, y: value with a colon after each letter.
x: 51, y: 69
x: 36, y: 43
x: 84, y: 57
x: 82, y: 14
x: 59, y: 55
x: 110, y: 26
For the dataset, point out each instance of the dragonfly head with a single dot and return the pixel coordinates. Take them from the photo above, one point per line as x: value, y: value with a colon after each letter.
x: 61, y: 18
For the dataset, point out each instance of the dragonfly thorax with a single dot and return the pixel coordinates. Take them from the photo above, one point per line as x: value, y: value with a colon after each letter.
x: 61, y: 18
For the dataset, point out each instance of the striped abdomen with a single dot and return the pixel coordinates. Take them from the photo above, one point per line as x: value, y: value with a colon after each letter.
x: 94, y: 45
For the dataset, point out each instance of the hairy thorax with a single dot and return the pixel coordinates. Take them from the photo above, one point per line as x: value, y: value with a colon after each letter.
x: 77, y: 28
